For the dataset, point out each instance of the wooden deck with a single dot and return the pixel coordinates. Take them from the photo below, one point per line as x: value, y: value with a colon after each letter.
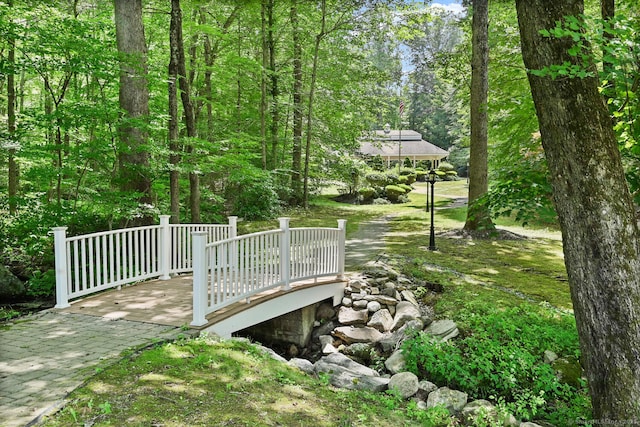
x: 169, y: 302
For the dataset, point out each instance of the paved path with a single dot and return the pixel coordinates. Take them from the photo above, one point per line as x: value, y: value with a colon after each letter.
x: 366, y: 244
x: 45, y: 356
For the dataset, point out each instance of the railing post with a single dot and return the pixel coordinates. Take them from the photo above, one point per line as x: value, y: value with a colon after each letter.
x: 200, y: 291
x: 285, y: 253
x: 60, y: 251
x: 342, y: 226
x: 165, y: 248
x: 233, y: 225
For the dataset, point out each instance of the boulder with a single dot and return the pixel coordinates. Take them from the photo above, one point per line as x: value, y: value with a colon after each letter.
x: 347, y: 302
x: 405, y: 383
x: 405, y: 312
x: 549, y: 357
x: 360, y: 304
x: 350, y: 334
x: 323, y: 329
x: 359, y: 382
x: 11, y: 288
x: 479, y: 411
x: 442, y: 329
x: 409, y: 296
x: 303, y: 364
x: 350, y: 316
x: 381, y: 320
x: 373, y: 306
x: 396, y: 362
x: 453, y: 400
x: 338, y: 362
x: 325, y: 312
x: 427, y: 386
x: 382, y: 299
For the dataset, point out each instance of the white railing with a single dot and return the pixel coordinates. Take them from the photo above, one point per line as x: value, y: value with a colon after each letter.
x: 94, y: 262
x: 233, y: 270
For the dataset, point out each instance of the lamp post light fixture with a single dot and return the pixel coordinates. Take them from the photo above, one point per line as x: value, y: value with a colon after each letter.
x: 432, y: 233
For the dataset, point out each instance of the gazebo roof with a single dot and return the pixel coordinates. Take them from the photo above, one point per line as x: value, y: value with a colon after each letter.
x: 411, y: 145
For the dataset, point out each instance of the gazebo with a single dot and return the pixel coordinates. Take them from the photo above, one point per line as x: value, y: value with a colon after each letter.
x: 397, y: 145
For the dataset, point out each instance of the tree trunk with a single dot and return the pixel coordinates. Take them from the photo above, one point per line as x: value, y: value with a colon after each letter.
x: 263, y: 84
x: 314, y: 72
x: 187, y: 107
x: 174, y: 145
x: 596, y: 213
x: 274, y: 91
x: 478, y: 217
x: 134, y: 101
x: 11, y: 126
x: 608, y: 11
x: 296, y: 154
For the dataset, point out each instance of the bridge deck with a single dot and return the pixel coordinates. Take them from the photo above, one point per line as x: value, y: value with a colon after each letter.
x: 169, y: 302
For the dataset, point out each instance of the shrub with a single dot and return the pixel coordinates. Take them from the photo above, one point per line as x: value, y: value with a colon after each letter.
x: 421, y: 175
x: 392, y: 178
x: 376, y: 179
x: 403, y: 180
x: 381, y: 201
x: 406, y: 188
x: 367, y: 193
x: 393, y: 192
x: 500, y: 358
x: 446, y: 166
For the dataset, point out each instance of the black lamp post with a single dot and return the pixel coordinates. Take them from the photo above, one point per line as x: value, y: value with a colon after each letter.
x: 432, y: 235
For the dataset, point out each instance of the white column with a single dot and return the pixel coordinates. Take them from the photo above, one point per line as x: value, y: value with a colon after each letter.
x: 342, y: 226
x: 165, y: 247
x: 60, y: 251
x: 200, y: 300
x: 285, y: 253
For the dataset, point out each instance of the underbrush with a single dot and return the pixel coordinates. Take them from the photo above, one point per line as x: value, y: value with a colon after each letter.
x: 500, y: 357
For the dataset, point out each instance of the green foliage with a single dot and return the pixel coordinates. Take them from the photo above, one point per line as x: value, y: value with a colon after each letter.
x: 367, y: 193
x: 42, y: 284
x: 393, y: 192
x: 499, y: 357
x: 446, y: 167
x: 376, y: 179
x: 253, y: 194
x: 403, y: 180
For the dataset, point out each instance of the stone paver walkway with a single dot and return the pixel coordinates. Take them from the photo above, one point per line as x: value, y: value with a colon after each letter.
x: 45, y: 356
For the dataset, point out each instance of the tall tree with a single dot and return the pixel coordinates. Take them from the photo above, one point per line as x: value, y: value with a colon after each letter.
x: 296, y: 156
x: 11, y: 122
x: 188, y: 110
x: 595, y: 209
x: 477, y: 214
x: 134, y: 101
x: 174, y: 128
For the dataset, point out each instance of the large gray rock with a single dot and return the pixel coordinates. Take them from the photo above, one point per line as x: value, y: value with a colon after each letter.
x: 323, y: 329
x: 325, y: 311
x: 382, y: 299
x: 405, y: 383
x: 478, y: 411
x: 338, y: 362
x: 453, y: 400
x: 359, y: 382
x: 11, y: 287
x: 381, y: 320
x: 349, y: 334
x: 405, y: 312
x: 396, y: 362
x: 349, y: 316
x: 407, y: 295
x: 442, y: 329
x: 303, y: 364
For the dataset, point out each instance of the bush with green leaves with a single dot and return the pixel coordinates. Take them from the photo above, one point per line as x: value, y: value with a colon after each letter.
x: 403, y: 180
x: 393, y: 192
x: 407, y: 188
x: 367, y: 194
x: 500, y: 357
x: 376, y: 180
x: 253, y: 194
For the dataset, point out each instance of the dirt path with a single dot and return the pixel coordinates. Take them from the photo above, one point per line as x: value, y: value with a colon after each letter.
x: 367, y: 243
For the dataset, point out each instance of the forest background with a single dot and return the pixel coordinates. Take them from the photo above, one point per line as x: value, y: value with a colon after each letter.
x: 279, y: 95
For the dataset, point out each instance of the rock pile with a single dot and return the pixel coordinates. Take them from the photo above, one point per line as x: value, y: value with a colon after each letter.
x: 378, y: 312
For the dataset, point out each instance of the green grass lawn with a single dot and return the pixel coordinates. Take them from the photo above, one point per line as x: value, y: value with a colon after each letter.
x: 199, y: 382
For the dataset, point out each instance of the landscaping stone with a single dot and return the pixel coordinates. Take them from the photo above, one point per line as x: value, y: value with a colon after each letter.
x: 442, y: 329
x: 303, y: 364
x: 453, y: 400
x: 405, y: 312
x: 405, y: 383
x: 350, y: 316
x: 381, y: 320
x: 350, y: 334
x: 396, y: 362
x: 325, y: 312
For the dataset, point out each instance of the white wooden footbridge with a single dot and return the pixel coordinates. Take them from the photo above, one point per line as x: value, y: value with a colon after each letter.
x: 305, y: 266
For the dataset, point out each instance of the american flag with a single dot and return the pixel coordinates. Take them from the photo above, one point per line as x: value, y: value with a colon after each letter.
x: 401, y: 108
